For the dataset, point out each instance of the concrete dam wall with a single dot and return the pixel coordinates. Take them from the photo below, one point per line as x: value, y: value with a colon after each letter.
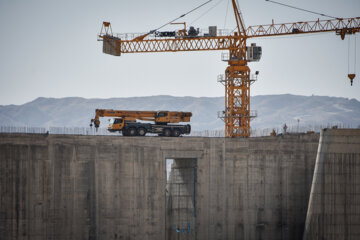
x: 109, y: 187
x: 334, y: 207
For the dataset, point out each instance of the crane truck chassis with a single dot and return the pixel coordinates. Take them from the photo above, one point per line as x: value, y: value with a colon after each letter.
x: 140, y: 129
x: 125, y: 122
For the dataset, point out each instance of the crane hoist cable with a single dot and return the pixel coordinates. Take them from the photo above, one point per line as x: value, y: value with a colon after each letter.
x: 348, y: 62
x: 207, y: 11
x: 301, y: 9
x: 140, y: 38
x: 352, y: 75
x: 242, y: 19
x: 241, y: 16
x: 355, y: 54
x: 183, y: 15
x: 227, y: 10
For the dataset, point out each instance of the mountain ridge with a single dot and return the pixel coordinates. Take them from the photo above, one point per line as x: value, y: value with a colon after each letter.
x: 273, y: 110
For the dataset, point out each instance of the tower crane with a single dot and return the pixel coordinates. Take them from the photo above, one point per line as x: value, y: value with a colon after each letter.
x: 237, y: 78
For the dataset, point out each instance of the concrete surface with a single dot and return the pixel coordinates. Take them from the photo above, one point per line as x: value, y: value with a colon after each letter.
x: 181, y: 202
x: 109, y: 187
x: 334, y: 207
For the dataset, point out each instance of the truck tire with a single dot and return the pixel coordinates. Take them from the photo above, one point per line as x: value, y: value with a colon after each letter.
x: 176, y: 132
x: 125, y: 132
x: 141, y: 131
x: 167, y: 132
x: 132, y: 131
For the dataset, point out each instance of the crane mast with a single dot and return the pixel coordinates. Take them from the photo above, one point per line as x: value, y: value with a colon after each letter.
x: 237, y: 78
x: 236, y: 114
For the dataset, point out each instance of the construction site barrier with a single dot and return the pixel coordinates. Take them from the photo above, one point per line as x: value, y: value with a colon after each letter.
x: 257, y: 132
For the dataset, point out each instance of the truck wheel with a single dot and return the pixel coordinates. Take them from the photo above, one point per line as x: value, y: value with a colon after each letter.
x: 132, y: 131
x: 141, y: 131
x: 125, y: 132
x: 167, y: 132
x: 176, y: 132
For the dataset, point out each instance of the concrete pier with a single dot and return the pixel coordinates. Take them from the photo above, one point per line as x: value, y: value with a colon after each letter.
x: 334, y: 207
x: 109, y: 187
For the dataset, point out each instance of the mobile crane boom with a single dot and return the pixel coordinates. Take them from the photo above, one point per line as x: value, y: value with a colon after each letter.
x: 125, y: 122
x: 237, y: 80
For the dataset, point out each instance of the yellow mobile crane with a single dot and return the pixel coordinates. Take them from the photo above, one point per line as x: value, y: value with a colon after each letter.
x: 125, y: 121
x: 237, y: 79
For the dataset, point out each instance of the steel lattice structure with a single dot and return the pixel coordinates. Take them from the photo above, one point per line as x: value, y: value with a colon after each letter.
x: 237, y: 114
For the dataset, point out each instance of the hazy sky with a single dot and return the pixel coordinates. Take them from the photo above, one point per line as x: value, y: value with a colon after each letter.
x: 49, y: 48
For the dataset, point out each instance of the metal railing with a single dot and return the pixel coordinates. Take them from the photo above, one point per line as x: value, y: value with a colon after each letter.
x: 55, y: 130
x: 222, y: 114
x: 222, y: 79
x: 256, y: 132
x: 204, y: 32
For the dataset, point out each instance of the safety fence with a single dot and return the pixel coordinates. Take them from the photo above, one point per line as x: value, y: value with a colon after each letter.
x: 56, y: 130
x: 257, y: 132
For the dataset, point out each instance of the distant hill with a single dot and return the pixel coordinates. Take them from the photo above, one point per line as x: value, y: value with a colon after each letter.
x: 273, y: 110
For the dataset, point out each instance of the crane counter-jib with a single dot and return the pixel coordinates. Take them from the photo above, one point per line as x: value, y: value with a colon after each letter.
x: 115, y: 46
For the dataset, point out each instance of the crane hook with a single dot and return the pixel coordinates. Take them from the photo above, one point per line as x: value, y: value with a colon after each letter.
x: 351, y: 77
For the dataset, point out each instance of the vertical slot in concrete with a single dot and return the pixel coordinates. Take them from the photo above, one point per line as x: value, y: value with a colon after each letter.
x: 180, y: 206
